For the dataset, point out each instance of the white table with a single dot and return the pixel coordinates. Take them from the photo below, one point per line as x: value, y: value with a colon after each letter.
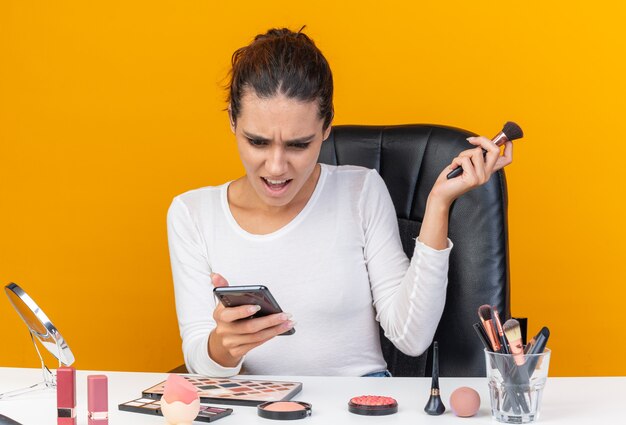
x: 566, y: 400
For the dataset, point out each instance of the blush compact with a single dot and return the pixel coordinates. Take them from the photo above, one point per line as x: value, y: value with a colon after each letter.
x: 284, y: 410
x: 373, y: 405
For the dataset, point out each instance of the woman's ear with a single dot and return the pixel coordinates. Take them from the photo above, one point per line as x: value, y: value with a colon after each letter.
x: 327, y: 132
x: 231, y: 120
x: 330, y: 127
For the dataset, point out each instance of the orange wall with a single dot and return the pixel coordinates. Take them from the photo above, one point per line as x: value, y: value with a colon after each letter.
x: 109, y: 109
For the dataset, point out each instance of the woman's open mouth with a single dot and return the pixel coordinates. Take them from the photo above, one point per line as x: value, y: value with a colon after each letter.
x: 276, y: 187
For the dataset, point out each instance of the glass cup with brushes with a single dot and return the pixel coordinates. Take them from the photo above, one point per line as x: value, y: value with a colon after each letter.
x: 517, y: 375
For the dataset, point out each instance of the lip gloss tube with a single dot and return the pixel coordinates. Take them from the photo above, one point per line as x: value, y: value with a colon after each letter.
x: 66, y: 396
x: 97, y: 400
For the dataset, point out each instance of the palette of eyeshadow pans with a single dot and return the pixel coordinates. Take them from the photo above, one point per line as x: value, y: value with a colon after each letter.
x: 153, y: 407
x: 243, y: 392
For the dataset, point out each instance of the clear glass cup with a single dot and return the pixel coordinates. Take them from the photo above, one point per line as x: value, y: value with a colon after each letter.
x: 515, y: 389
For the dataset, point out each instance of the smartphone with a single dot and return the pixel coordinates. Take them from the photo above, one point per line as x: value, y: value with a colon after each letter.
x: 234, y: 296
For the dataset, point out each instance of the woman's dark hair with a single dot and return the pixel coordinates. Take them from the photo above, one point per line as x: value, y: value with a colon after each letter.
x: 282, y: 62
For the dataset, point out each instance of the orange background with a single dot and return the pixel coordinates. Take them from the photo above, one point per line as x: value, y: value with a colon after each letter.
x: 109, y: 109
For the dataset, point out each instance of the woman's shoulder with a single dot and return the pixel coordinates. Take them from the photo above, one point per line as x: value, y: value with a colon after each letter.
x: 195, y: 199
x: 202, y: 191
x: 349, y: 172
x: 354, y: 176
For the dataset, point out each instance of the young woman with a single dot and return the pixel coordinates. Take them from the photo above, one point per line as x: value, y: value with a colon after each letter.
x: 323, y: 238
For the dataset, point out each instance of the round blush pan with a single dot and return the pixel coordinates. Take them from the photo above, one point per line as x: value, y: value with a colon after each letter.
x: 373, y: 405
x: 284, y: 410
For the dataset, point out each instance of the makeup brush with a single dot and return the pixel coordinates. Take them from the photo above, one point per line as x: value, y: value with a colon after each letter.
x: 541, y: 340
x: 510, y: 132
x: 514, y: 374
x: 484, y: 312
x: 500, y: 363
x: 480, y: 331
x: 518, y: 376
x: 530, y: 345
x: 514, y: 336
x: 435, y: 406
x: 504, y: 349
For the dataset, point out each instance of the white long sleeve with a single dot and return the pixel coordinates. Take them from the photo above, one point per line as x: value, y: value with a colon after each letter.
x: 338, y: 267
x: 409, y: 301
x: 193, y: 292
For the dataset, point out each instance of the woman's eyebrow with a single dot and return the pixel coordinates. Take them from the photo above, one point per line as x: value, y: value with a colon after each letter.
x: 264, y: 139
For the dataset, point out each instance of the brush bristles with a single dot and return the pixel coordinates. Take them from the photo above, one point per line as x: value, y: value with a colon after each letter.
x: 512, y: 131
x: 484, y: 311
x: 512, y: 330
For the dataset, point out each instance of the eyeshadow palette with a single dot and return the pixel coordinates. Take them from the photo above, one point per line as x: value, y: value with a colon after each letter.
x: 234, y: 391
x: 153, y: 407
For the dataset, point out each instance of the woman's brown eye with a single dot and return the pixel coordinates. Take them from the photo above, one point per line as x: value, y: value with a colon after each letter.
x: 255, y: 142
x: 300, y: 145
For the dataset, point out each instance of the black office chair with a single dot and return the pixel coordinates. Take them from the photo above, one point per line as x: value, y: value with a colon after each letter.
x: 409, y: 158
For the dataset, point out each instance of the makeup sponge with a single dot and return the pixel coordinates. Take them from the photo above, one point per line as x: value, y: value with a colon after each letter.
x: 465, y: 402
x: 178, y: 388
x: 180, y: 403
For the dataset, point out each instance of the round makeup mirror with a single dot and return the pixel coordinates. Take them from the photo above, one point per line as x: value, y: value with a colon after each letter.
x: 42, y: 329
x: 39, y: 325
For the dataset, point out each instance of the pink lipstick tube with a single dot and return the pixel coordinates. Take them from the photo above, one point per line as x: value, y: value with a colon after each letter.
x: 66, y: 396
x: 97, y: 400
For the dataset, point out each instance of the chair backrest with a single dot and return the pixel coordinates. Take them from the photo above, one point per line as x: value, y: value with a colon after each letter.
x: 409, y: 158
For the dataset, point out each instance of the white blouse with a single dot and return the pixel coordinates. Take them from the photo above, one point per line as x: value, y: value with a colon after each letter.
x: 338, y: 267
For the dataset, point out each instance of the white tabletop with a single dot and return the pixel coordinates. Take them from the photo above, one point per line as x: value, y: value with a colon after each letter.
x: 566, y: 400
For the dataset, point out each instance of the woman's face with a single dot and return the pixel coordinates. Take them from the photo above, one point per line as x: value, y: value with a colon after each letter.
x: 279, y: 141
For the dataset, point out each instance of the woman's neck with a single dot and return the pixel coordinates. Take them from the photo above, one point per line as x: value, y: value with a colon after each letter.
x: 256, y: 216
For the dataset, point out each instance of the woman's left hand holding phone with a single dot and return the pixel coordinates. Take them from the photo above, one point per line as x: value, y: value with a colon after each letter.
x: 232, y: 338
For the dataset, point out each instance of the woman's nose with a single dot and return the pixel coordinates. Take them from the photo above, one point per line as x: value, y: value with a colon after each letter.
x: 276, y: 163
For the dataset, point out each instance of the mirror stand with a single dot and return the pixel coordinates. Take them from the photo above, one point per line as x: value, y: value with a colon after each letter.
x: 49, y: 378
x: 41, y: 329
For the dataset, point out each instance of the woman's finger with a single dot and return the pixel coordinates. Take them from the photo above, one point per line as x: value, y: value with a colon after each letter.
x: 469, y: 152
x: 485, y: 144
x: 478, y: 163
x: 456, y: 163
x: 469, y: 173
x: 218, y: 280
x: 232, y: 342
x: 492, y: 151
x: 506, y: 158
x: 231, y: 314
x: 259, y: 324
x: 271, y: 332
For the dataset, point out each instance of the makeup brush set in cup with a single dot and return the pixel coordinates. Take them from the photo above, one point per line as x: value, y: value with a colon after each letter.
x: 517, y: 373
